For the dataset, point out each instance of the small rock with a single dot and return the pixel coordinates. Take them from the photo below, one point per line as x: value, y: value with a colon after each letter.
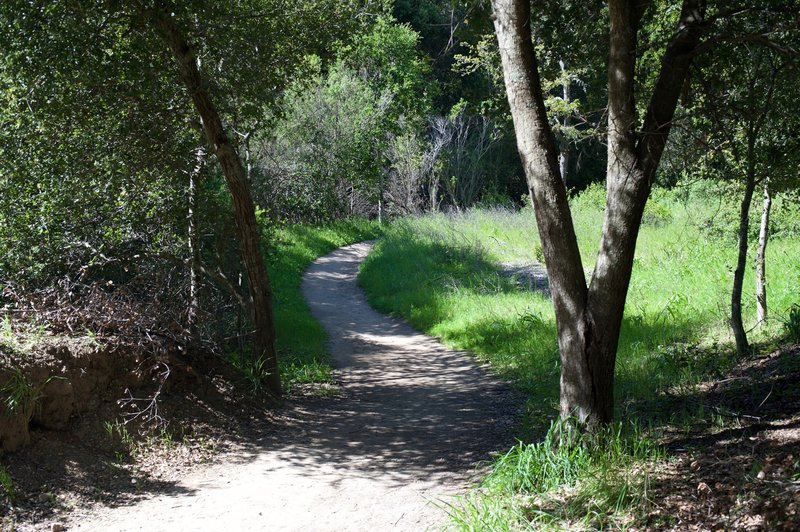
x: 761, y: 475
x: 58, y: 527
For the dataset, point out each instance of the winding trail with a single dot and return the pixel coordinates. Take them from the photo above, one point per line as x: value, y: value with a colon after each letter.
x: 409, y: 430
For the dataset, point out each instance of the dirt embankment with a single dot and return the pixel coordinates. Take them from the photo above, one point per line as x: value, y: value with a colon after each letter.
x: 48, y: 384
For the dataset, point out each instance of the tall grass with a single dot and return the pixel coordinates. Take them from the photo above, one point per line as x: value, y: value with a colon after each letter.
x: 301, y: 339
x: 579, y: 481
x: 443, y: 274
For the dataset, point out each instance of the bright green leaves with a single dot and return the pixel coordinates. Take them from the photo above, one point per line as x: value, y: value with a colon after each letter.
x: 387, y: 57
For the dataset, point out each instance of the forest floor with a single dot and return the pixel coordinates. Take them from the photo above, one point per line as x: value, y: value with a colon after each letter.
x: 409, y: 425
x: 739, y: 469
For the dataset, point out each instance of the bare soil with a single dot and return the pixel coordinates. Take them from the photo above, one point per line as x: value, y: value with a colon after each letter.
x: 740, y: 470
x: 409, y: 427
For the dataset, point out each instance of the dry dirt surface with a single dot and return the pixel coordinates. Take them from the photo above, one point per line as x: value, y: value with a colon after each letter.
x: 410, y: 427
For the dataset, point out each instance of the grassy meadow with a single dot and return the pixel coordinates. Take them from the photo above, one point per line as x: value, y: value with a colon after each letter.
x: 442, y: 273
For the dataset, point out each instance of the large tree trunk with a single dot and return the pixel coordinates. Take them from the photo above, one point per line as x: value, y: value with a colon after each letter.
x: 548, y: 195
x: 236, y: 179
x: 589, y: 318
x: 761, y: 257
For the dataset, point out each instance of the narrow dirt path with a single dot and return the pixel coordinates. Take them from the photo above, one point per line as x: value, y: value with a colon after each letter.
x: 408, y: 431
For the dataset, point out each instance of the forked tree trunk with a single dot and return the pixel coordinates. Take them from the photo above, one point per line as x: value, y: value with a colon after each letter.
x: 589, y: 318
x: 236, y: 179
x: 761, y: 256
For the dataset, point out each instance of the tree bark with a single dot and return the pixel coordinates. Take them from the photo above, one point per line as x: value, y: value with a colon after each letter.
x: 589, y: 318
x: 236, y: 179
x: 761, y: 257
x: 548, y: 195
x: 742, y: 345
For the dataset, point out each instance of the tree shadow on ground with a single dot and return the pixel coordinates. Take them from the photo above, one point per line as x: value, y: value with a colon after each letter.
x: 735, y: 442
x: 70, y: 470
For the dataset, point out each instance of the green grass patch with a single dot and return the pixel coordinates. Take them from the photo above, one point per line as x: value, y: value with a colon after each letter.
x: 301, y: 339
x: 443, y: 274
x: 579, y: 481
x: 7, y: 484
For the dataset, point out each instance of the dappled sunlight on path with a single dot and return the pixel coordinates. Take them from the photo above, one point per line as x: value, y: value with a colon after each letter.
x: 409, y: 429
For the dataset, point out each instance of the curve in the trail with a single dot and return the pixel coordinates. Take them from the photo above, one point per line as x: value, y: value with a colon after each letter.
x: 409, y: 429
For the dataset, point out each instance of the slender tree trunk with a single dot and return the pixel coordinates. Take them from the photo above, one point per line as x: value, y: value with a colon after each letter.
x: 589, y: 318
x: 244, y: 210
x: 380, y: 198
x: 742, y: 345
x: 194, y: 245
x: 563, y: 155
x: 761, y: 254
x: 434, y: 194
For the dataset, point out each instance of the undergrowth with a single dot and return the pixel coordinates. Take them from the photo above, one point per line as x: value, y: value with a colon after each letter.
x: 7, y: 483
x: 18, y: 396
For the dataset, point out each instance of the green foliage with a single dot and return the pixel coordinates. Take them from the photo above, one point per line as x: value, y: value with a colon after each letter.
x: 742, y: 106
x: 793, y: 324
x: 592, y: 197
x: 327, y: 155
x: 254, y: 371
x: 76, y: 87
x: 387, y: 57
x: 564, y: 457
x: 658, y: 211
x: 325, y: 148
x: 119, y: 430
x: 17, y: 394
x: 7, y: 483
x: 97, y: 138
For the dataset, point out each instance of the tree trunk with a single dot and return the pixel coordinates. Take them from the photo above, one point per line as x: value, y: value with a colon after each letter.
x: 236, y: 179
x: 763, y: 237
x: 563, y: 155
x: 742, y: 345
x: 589, y: 318
x: 194, y: 245
x: 381, y: 186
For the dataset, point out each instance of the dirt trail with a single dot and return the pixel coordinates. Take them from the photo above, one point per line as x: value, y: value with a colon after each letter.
x: 413, y: 421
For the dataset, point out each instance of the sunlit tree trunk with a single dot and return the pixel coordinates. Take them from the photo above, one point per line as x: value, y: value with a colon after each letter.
x: 737, y: 324
x: 194, y: 244
x: 563, y: 155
